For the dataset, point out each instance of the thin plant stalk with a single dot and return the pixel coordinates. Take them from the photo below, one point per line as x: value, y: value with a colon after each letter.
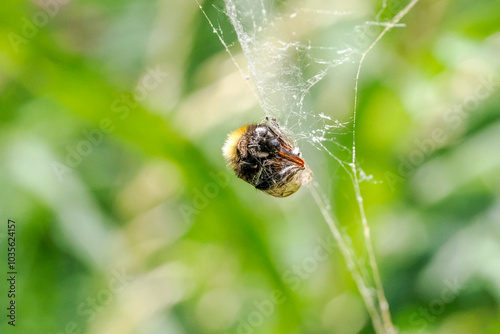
x: 349, y: 259
x: 382, y: 300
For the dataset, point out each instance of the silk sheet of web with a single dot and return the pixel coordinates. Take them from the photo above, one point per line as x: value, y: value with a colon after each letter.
x: 291, y: 46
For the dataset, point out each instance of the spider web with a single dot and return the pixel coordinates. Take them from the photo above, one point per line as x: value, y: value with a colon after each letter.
x: 291, y: 47
x: 285, y: 62
x: 294, y: 51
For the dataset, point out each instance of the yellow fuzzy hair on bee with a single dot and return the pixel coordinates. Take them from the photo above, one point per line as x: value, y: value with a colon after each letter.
x: 229, y: 150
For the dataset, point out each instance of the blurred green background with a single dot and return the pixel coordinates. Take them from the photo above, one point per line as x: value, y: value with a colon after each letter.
x: 113, y: 114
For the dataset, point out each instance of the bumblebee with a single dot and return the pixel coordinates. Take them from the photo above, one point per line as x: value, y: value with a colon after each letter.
x: 263, y: 156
